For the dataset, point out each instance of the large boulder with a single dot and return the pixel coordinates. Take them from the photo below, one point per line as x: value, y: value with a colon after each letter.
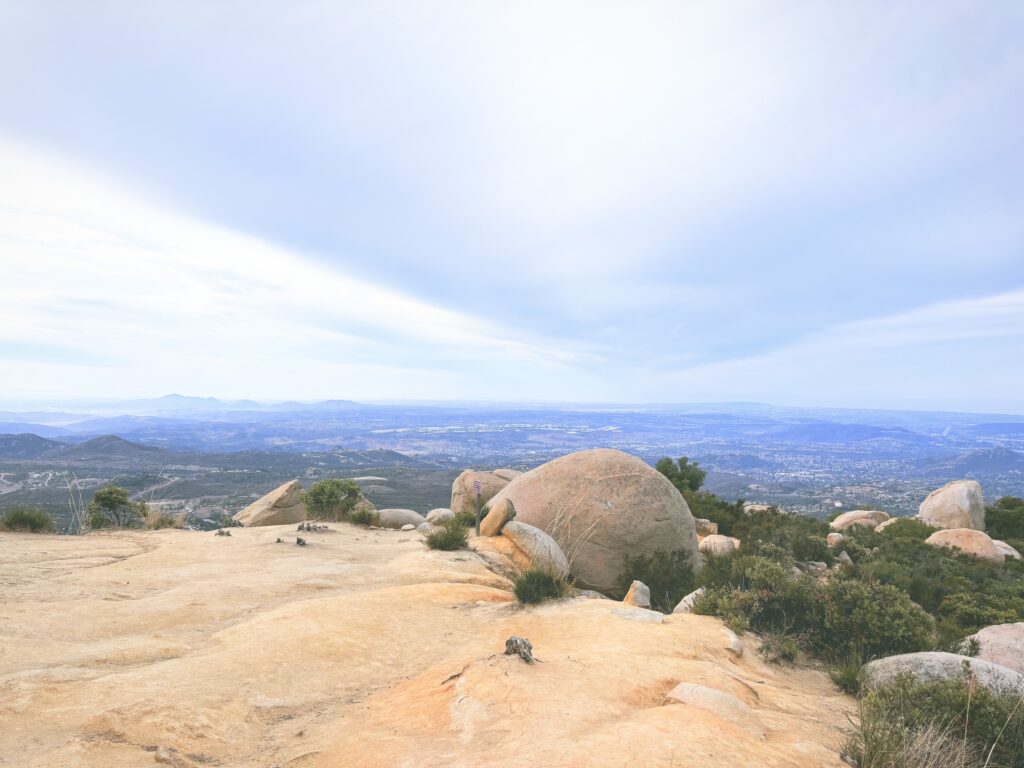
x: 506, y: 474
x: 396, y: 518
x: 934, y: 666
x: 1002, y: 644
x: 601, y: 506
x: 868, y: 518
x: 974, y: 543
x: 955, y: 505
x: 717, y: 544
x: 464, y: 494
x: 281, y: 506
x: 540, y: 550
x: 439, y: 515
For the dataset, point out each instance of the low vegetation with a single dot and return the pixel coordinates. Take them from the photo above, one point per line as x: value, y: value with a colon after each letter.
x: 362, y: 516
x: 946, y: 723
x: 27, y: 520
x: 536, y: 586
x: 448, y: 536
x: 331, y: 499
x: 154, y: 519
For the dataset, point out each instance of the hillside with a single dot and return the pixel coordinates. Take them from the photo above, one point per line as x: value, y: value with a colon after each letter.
x: 26, y: 446
x: 362, y: 649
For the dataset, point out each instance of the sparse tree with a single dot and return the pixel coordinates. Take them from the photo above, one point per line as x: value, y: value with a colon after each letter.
x: 331, y: 499
x: 683, y: 475
x: 112, y: 507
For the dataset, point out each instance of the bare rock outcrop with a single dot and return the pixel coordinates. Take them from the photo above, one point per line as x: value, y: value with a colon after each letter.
x: 1008, y: 551
x: 281, y: 506
x: 969, y: 541
x: 723, y: 705
x: 600, y: 506
x: 464, y: 493
x: 958, y: 504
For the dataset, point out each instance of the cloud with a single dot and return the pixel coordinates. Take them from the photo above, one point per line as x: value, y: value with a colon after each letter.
x: 161, y: 301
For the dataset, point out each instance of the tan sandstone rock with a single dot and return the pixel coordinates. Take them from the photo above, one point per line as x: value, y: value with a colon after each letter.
x: 499, y: 512
x: 1002, y: 644
x: 971, y: 542
x: 705, y: 527
x: 281, y: 506
x: 600, y: 506
x: 835, y: 539
x: 717, y: 545
x: 506, y: 474
x: 891, y: 521
x: 723, y: 705
x: 542, y: 551
x: 868, y: 518
x: 464, y: 495
x: 959, y: 504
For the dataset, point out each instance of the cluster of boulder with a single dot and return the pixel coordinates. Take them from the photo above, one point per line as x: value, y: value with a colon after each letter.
x: 957, y: 509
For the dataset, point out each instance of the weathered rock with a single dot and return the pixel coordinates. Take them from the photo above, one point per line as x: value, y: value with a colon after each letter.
x: 686, y: 604
x: 507, y: 474
x: 590, y: 594
x: 521, y: 647
x: 733, y: 643
x: 464, y: 496
x: 425, y: 527
x: 1006, y: 549
x: 396, y: 518
x: 883, y: 525
x: 541, y: 550
x: 705, y: 527
x: 959, y: 504
x: 756, y: 509
x: 835, y: 539
x: 717, y: 544
x: 817, y: 567
x: 633, y: 613
x: 1002, y: 644
x: 601, y: 506
x: 932, y: 666
x: 639, y: 594
x: 439, y: 515
x: 969, y: 541
x: 724, y: 705
x: 410, y: 526
x: 281, y: 506
x: 499, y: 512
x: 868, y: 518
x: 844, y: 558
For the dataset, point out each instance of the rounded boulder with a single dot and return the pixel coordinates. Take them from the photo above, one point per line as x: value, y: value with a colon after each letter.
x: 868, y: 518
x: 959, y: 504
x: 974, y: 543
x: 601, y: 506
x: 716, y: 544
x: 464, y: 491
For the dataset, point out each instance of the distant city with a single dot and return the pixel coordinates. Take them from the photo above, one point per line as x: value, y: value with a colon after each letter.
x: 209, y: 456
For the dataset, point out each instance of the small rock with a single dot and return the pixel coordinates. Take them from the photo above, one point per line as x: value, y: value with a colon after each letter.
x: 519, y: 646
x: 639, y: 594
x: 300, y: 541
x: 440, y: 515
x: 816, y: 567
x: 164, y: 755
x: 717, y: 544
x: 705, y: 527
x: 844, y: 558
x: 733, y: 642
x: 835, y: 539
x: 639, y: 614
x: 408, y: 527
x: 425, y: 527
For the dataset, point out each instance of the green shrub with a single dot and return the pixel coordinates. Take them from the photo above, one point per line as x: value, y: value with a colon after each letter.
x: 331, y: 499
x: 362, y: 516
x: 536, y: 585
x: 449, y: 536
x: 777, y: 649
x: 989, y: 724
x: 468, y: 519
x: 866, y: 620
x: 669, y: 576
x: 802, y: 538
x: 28, y: 520
x: 112, y: 507
x: 848, y: 676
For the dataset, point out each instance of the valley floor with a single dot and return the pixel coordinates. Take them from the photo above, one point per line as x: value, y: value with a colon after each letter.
x: 362, y: 649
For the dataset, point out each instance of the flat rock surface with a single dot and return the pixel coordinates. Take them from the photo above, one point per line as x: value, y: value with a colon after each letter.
x: 362, y: 649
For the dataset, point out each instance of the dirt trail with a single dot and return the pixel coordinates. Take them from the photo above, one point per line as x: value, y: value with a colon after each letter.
x: 362, y: 649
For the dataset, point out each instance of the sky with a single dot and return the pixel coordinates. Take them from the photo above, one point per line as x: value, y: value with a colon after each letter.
x: 800, y: 203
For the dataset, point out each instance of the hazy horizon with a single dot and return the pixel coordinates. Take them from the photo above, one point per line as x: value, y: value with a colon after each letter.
x: 811, y: 206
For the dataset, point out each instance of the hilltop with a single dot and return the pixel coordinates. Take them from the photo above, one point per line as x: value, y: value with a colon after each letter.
x: 362, y: 649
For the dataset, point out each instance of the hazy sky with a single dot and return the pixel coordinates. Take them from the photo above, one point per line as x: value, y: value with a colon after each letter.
x: 803, y: 203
